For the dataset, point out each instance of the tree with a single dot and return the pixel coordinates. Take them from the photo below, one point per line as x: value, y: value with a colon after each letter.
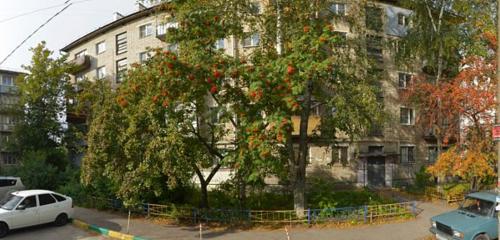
x: 164, y: 107
x: 39, y: 134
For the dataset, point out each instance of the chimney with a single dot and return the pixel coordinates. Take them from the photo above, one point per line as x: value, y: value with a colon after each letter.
x: 117, y: 16
x: 140, y: 6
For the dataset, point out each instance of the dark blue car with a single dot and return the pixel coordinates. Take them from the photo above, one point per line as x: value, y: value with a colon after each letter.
x: 475, y: 219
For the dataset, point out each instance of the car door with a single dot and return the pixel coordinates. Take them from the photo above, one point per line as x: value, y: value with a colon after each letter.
x: 48, y: 208
x: 26, y: 213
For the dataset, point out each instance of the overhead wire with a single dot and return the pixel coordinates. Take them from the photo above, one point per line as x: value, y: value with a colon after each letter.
x: 68, y: 2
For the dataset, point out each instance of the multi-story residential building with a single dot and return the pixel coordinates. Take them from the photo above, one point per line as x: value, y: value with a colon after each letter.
x: 8, y: 100
x: 389, y: 155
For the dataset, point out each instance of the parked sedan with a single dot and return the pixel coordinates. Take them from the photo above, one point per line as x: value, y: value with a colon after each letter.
x: 33, y: 207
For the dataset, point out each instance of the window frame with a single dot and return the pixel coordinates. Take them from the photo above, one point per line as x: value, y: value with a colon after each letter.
x: 40, y: 201
x: 97, y: 71
x: 410, y: 159
x: 81, y: 53
x: 143, y: 30
x: 402, y: 20
x: 121, y: 43
x: 145, y: 53
x: 405, y: 79
x: 100, y: 50
x: 7, y: 76
x: 337, y: 10
x: 120, y: 72
x: 410, y: 119
x: 252, y: 41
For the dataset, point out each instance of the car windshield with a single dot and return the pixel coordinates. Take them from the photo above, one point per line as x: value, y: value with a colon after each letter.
x: 477, y: 206
x: 10, y: 202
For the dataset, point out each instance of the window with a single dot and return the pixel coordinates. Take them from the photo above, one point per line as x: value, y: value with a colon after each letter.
x: 219, y: 44
x: 432, y: 154
x: 121, y: 43
x: 100, y: 47
x: 7, y: 182
x: 101, y: 72
x: 29, y: 202
x: 121, y: 69
x: 404, y: 80
x: 58, y: 197
x: 81, y: 54
x: 146, y: 30
x: 407, y: 154
x: 252, y: 41
x: 402, y: 20
x: 79, y: 77
x: 162, y: 29
x: 340, y: 155
x: 374, y: 18
x: 46, y: 199
x: 8, y: 80
x: 407, y: 116
x: 338, y: 9
x: 374, y: 48
x: 8, y: 159
x: 144, y: 56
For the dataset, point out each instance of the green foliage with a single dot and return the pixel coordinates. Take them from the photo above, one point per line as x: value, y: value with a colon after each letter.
x: 455, y: 189
x: 323, y: 194
x: 423, y: 179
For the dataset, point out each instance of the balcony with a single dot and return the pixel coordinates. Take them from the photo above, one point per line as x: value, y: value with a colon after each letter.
x: 6, y: 127
x: 80, y: 64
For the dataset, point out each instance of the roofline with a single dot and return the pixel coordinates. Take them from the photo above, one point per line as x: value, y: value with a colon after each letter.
x: 108, y: 27
x: 12, y: 70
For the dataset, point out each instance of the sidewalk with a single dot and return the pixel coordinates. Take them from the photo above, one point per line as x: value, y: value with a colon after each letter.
x: 412, y: 229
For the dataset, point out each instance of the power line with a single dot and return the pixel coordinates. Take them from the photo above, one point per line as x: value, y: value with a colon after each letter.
x: 39, y: 10
x: 36, y: 30
x: 29, y: 13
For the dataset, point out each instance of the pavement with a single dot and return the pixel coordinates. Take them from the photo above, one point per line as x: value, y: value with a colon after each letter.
x: 412, y: 229
x: 50, y: 232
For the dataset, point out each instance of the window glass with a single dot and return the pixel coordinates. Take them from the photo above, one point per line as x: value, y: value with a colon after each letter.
x: 81, y: 54
x: 407, y: 154
x: 404, y: 80
x: 29, y: 202
x: 406, y: 116
x: 338, y: 9
x: 10, y: 202
x: 101, y: 72
x: 146, y: 30
x: 121, y: 69
x: 7, y: 80
x: 252, y: 41
x: 7, y: 182
x: 46, y: 199
x: 59, y: 197
x: 100, y: 47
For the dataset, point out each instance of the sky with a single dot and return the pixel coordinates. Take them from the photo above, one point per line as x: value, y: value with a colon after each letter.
x: 79, y: 19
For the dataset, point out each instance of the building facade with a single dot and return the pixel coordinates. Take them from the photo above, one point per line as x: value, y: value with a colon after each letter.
x: 389, y: 155
x: 8, y: 100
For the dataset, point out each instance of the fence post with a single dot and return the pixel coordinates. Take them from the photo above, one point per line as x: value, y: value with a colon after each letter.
x: 414, y: 208
x: 250, y: 216
x: 365, y: 213
x: 194, y: 215
x: 308, y: 216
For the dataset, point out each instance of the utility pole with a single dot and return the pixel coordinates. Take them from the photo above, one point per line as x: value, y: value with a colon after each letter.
x: 497, y: 112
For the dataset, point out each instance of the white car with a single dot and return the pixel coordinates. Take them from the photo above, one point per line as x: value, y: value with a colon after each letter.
x: 33, y: 207
x: 10, y: 184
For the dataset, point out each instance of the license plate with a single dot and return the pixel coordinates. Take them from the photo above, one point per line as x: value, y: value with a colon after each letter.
x: 439, y: 237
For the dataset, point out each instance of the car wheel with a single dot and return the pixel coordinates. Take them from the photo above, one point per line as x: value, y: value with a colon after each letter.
x: 4, y: 229
x: 61, y: 219
x: 482, y: 237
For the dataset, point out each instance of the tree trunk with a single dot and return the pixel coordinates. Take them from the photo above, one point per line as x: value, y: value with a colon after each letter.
x: 300, y: 176
x: 204, y: 195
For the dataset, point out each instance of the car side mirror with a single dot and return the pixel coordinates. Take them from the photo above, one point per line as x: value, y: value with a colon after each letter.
x: 21, y: 207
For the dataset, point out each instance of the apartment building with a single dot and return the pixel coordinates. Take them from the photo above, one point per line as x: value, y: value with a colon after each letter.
x: 8, y: 100
x: 389, y: 155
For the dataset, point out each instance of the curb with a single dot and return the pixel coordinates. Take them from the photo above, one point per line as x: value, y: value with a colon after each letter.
x: 104, y: 231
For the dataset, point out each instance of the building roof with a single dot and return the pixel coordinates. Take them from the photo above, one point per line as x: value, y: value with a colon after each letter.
x: 108, y: 27
x: 11, y: 70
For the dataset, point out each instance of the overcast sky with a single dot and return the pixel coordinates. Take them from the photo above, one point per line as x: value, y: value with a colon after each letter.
x: 79, y: 19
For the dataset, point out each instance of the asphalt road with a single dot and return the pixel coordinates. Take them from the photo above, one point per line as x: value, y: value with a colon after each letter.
x: 49, y: 232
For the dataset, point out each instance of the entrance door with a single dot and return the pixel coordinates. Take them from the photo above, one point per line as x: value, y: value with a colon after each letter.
x: 376, y: 171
